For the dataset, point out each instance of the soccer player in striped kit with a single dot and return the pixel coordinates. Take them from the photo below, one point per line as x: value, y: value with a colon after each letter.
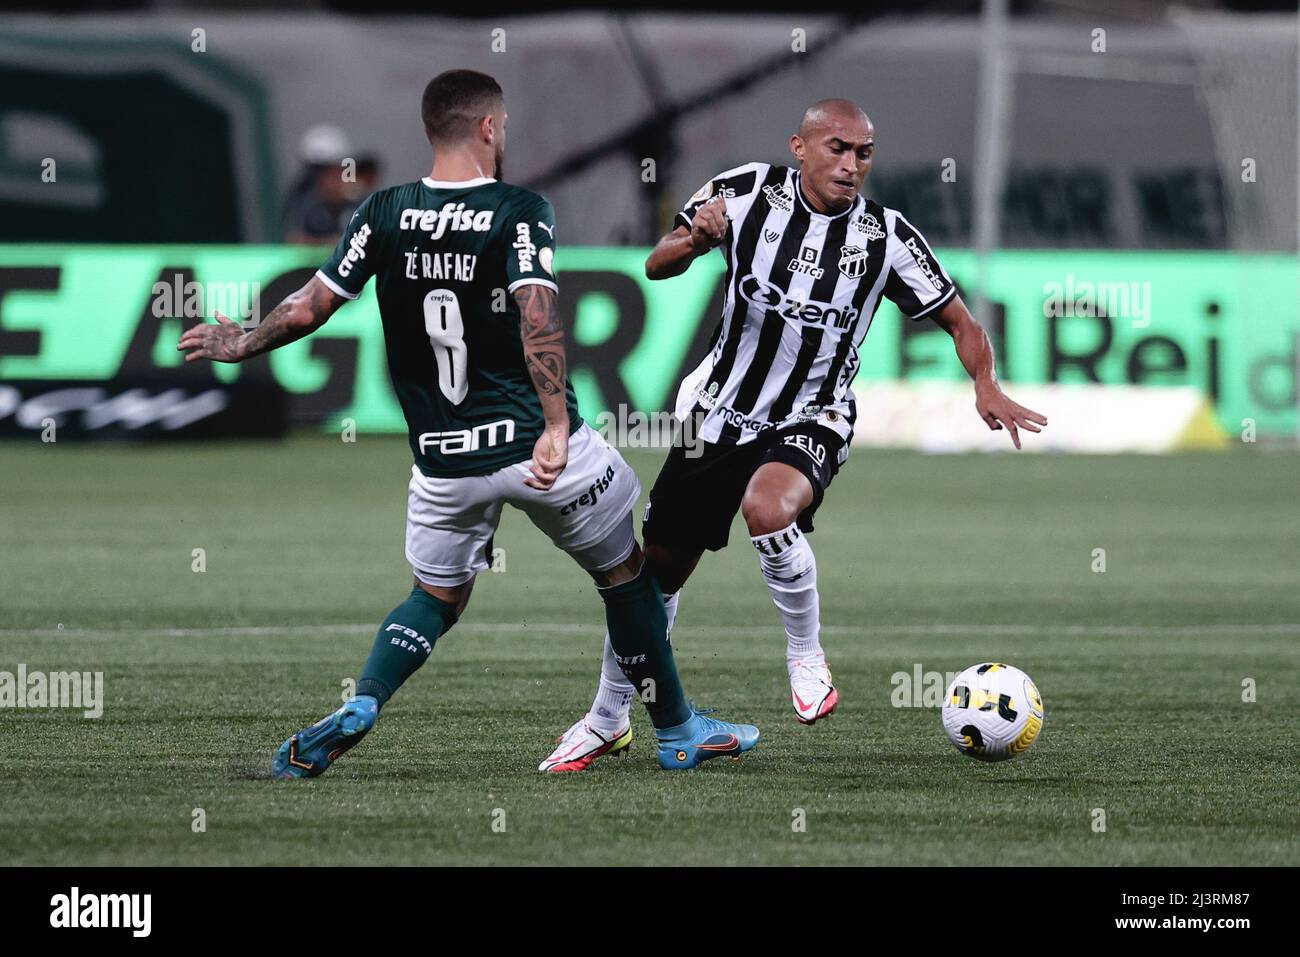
x: 769, y: 408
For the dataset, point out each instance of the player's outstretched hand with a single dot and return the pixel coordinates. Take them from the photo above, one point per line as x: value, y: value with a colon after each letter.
x: 550, y: 456
x: 709, y: 225
x: 219, y: 342
x: 998, y: 411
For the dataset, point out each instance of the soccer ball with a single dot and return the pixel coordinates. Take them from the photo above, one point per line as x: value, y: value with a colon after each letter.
x: 992, y: 712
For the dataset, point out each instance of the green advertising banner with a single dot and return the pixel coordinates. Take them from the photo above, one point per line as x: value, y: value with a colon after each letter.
x: 1225, y: 323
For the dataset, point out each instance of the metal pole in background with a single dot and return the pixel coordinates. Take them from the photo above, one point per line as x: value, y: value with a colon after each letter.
x: 992, y: 113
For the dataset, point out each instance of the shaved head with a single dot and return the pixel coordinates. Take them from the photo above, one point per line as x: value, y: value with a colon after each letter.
x: 825, y: 113
x: 835, y: 146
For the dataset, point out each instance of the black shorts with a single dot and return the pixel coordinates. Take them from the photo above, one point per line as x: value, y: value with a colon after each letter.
x: 695, y: 499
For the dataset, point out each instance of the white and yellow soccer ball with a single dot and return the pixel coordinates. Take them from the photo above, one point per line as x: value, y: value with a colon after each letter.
x: 992, y: 712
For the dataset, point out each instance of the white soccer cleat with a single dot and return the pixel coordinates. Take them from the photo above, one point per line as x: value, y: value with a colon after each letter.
x: 811, y: 690
x: 580, y: 746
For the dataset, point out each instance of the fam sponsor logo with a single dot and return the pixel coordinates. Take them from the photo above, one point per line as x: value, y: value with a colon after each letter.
x: 459, y: 441
x: 779, y: 197
x: 923, y: 264
x: 76, y: 910
x: 590, y: 496
x: 853, y: 261
x: 452, y: 216
x: 524, y: 247
x: 405, y: 633
x: 760, y: 292
x: 742, y: 421
x: 55, y: 689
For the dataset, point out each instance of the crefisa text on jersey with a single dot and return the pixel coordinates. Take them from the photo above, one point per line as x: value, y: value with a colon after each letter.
x: 356, y: 250
x: 453, y: 216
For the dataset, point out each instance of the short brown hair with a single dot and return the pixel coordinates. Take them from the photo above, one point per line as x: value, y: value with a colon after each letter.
x: 455, y: 101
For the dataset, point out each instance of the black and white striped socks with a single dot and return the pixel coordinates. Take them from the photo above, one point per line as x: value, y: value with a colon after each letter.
x: 790, y: 569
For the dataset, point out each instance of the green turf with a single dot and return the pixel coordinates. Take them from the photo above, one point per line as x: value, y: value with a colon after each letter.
x: 942, y: 561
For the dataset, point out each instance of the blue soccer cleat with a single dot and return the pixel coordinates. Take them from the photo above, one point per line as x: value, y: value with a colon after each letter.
x: 702, y: 738
x: 309, y: 753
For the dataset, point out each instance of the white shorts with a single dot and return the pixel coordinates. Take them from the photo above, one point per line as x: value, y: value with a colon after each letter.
x: 450, y: 521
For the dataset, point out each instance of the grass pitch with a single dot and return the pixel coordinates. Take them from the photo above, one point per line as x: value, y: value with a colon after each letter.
x: 939, y: 562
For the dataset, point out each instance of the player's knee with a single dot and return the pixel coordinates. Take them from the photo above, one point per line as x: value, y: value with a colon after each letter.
x: 457, y: 596
x: 625, y: 571
x: 671, y: 568
x: 767, y: 511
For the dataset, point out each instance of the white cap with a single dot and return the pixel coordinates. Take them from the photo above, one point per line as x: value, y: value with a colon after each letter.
x: 323, y: 144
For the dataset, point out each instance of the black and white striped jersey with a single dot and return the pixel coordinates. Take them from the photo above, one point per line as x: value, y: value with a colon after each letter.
x: 801, y: 290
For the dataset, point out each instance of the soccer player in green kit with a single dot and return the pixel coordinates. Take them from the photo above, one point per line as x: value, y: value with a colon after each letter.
x: 491, y: 415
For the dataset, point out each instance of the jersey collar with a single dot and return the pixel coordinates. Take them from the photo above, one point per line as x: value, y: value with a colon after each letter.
x: 456, y: 184
x: 798, y: 191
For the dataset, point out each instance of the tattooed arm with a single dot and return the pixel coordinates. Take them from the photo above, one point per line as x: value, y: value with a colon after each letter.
x: 301, y: 314
x: 543, y: 338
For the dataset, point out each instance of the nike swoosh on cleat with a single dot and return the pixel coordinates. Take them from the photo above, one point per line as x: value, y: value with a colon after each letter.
x: 800, y: 701
x: 568, y: 761
x: 731, y: 744
x: 293, y: 756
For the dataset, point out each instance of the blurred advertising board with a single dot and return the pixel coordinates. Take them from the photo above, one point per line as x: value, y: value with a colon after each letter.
x: 1223, y: 324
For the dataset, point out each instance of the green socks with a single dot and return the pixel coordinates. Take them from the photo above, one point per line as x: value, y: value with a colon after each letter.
x: 404, y: 642
x: 638, y: 633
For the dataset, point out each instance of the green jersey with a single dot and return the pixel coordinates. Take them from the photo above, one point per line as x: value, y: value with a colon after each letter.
x: 446, y: 258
